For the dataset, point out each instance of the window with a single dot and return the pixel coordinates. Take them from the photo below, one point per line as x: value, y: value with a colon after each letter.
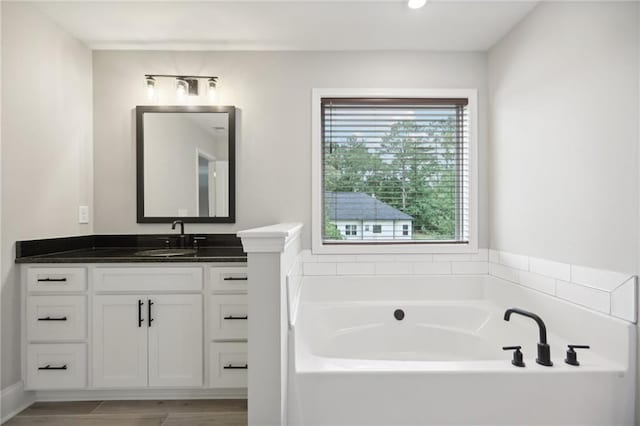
x: 406, y: 163
x: 351, y: 230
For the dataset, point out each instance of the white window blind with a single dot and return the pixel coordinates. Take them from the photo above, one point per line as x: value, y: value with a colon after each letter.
x: 398, y: 168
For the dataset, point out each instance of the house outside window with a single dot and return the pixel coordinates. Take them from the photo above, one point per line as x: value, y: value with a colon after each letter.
x: 402, y: 166
x: 350, y: 230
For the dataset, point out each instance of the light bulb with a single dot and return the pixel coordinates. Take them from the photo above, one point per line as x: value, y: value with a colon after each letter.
x: 182, y: 87
x: 213, y: 91
x: 151, y: 87
x: 416, y: 4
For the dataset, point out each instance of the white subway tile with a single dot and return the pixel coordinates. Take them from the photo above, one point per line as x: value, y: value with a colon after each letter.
x: 335, y: 258
x: 597, y: 278
x: 494, y: 256
x: 319, y: 268
x: 451, y: 257
x: 432, y: 268
x: 504, y: 272
x: 356, y: 268
x: 561, y: 271
x: 413, y: 257
x: 394, y: 268
x: 586, y: 296
x: 307, y: 256
x: 375, y: 258
x: 538, y: 282
x: 470, y: 267
x: 516, y: 261
x: 481, y: 256
x: 624, y: 301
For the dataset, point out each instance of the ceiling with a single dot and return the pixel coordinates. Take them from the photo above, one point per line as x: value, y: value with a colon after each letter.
x: 288, y: 25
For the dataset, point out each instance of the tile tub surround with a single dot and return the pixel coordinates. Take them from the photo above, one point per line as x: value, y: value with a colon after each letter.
x: 122, y: 248
x: 609, y: 292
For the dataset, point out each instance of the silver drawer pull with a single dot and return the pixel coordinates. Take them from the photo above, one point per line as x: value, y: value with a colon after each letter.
x: 52, y: 319
x: 235, y: 278
x: 231, y: 317
x: 49, y: 367
x: 52, y: 280
x: 236, y: 367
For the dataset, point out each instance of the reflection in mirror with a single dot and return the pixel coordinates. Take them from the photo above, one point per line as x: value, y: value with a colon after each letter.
x: 186, y: 164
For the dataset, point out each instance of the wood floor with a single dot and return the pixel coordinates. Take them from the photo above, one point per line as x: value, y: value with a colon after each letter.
x: 198, y: 412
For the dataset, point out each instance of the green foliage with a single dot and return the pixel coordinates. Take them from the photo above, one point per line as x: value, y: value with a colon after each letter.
x: 331, y: 231
x: 413, y: 169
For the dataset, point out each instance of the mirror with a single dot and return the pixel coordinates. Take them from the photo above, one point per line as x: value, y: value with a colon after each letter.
x: 186, y: 163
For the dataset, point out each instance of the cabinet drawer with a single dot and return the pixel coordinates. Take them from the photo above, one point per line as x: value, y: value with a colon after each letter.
x: 228, y: 365
x: 62, y: 366
x: 147, y: 279
x: 56, y: 279
x: 56, y: 317
x: 229, y: 280
x: 228, y: 316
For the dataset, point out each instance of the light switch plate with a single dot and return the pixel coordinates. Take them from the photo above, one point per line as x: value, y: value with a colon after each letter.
x: 83, y: 214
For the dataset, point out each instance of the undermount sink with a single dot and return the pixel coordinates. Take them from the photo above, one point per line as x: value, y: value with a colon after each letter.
x: 166, y: 252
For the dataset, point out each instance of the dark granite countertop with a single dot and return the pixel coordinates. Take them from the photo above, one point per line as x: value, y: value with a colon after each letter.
x: 127, y: 248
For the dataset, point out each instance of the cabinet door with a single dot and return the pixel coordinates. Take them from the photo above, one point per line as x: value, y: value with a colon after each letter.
x: 175, y: 340
x: 119, y: 341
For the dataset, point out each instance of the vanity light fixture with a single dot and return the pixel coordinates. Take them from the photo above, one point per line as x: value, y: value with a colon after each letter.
x: 185, y: 84
x: 416, y: 4
x: 212, y: 88
x: 151, y: 86
x: 182, y: 87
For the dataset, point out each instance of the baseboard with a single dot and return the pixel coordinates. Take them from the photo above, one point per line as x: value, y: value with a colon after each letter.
x: 121, y: 394
x: 14, y: 399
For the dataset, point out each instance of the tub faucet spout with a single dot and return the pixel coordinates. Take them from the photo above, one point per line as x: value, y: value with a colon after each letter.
x: 544, y: 350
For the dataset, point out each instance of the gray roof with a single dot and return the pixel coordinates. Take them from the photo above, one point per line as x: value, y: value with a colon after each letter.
x: 359, y: 206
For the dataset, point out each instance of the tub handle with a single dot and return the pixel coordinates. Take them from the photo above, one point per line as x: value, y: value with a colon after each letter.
x: 517, y: 355
x: 572, y: 356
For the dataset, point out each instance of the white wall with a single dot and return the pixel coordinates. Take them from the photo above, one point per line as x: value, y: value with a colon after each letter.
x: 563, y: 155
x: 273, y: 92
x: 564, y: 136
x: 46, y: 148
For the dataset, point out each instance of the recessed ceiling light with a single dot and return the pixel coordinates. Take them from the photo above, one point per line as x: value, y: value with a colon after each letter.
x: 416, y: 4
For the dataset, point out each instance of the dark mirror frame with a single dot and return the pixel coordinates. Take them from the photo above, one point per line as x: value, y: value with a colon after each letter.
x: 140, y: 111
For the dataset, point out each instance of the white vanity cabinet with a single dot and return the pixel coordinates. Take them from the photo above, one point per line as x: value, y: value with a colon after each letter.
x: 55, y: 328
x: 135, y: 326
x: 147, y: 340
x: 119, y: 342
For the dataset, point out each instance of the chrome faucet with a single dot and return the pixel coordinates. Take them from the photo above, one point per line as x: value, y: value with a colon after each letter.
x: 544, y: 350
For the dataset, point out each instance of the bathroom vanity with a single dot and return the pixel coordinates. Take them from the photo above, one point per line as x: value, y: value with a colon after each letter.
x: 134, y: 316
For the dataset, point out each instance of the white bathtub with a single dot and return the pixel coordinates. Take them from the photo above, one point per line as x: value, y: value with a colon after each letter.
x: 353, y: 363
